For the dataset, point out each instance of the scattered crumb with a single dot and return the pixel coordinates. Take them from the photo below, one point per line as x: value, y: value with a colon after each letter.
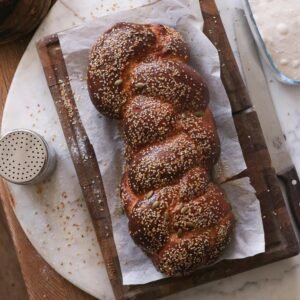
x: 39, y: 188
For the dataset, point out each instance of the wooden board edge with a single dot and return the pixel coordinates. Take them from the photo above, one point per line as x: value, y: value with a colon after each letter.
x: 156, y: 290
x: 84, y: 159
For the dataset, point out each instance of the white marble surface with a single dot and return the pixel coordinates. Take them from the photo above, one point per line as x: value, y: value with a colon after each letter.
x: 276, y: 281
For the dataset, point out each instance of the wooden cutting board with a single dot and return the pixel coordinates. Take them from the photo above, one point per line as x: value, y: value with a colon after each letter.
x: 280, y: 238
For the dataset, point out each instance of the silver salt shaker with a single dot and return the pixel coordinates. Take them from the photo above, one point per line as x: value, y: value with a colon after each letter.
x: 25, y: 157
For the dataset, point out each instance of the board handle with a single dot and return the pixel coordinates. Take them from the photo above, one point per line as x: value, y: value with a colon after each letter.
x: 292, y: 185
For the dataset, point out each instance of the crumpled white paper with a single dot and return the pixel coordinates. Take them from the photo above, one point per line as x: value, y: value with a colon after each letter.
x: 185, y: 16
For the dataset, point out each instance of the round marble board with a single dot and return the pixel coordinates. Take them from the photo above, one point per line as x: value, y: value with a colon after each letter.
x: 53, y: 215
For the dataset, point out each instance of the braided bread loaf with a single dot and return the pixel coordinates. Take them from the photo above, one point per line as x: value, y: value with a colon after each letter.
x: 138, y: 74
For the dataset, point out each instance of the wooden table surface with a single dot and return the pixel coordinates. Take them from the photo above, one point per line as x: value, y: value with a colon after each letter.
x: 38, y: 279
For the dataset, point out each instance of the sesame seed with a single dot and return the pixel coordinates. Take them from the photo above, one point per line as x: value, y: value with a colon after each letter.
x: 149, y: 194
x: 199, y: 114
x: 155, y: 204
x: 118, y: 82
x: 140, y: 85
x: 184, y: 209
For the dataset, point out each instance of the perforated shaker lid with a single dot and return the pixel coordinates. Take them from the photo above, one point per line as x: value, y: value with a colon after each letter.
x: 23, y: 156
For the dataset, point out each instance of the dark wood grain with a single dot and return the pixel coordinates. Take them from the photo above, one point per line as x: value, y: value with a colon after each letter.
x: 25, y: 16
x: 6, y: 6
x: 281, y: 241
x: 292, y: 186
x: 11, y: 281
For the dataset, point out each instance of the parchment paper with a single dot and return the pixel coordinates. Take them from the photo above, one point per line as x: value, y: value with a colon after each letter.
x: 104, y: 134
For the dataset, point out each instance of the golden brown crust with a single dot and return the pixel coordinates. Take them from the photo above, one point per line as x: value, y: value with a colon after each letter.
x: 138, y: 73
x: 174, y: 82
x: 159, y: 116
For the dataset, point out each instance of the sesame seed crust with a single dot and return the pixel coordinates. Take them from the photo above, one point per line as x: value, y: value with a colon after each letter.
x: 163, y: 163
x: 173, y: 81
x: 147, y: 120
x: 139, y: 74
x: 108, y: 59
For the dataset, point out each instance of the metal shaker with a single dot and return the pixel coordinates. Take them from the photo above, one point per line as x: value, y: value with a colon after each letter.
x: 25, y: 157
